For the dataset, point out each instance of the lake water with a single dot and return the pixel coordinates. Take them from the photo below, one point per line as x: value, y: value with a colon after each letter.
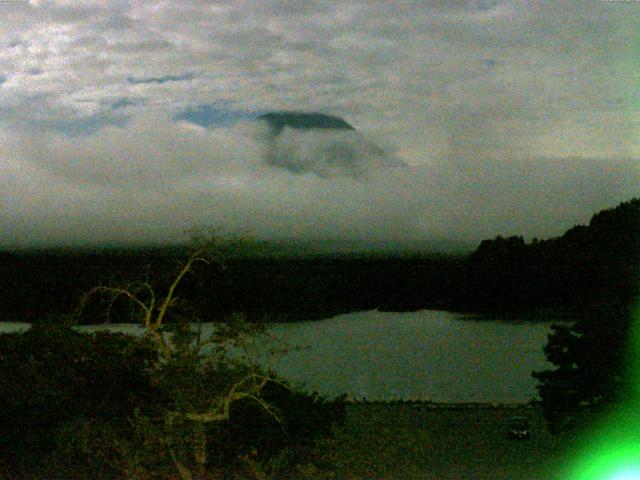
x: 427, y: 354
x: 436, y: 355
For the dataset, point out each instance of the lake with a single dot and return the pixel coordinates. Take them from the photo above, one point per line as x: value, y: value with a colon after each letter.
x: 435, y: 355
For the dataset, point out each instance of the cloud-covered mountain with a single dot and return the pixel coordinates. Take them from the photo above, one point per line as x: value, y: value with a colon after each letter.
x: 321, y: 144
x: 515, y: 120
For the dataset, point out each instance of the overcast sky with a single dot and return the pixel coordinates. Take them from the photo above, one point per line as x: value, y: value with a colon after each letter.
x: 132, y: 121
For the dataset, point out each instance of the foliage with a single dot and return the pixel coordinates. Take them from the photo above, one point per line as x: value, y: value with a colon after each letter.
x: 303, y: 419
x: 589, y: 375
x: 61, y: 389
x: 97, y: 448
x: 598, y: 266
x: 35, y: 284
x: 588, y: 265
x: 594, y: 262
x: 208, y: 388
x: 51, y: 373
x: 178, y: 400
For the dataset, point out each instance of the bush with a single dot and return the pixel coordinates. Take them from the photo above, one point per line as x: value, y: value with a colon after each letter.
x: 301, y: 419
x: 52, y: 375
x: 91, y: 406
x: 91, y: 448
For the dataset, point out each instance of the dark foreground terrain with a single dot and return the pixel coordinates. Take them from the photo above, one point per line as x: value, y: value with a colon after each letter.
x: 404, y: 441
x: 414, y: 441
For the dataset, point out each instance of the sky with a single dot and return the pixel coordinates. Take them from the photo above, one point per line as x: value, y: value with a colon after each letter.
x: 132, y: 122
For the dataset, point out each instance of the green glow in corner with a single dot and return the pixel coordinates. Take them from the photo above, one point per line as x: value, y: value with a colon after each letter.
x: 612, y: 449
x: 628, y: 474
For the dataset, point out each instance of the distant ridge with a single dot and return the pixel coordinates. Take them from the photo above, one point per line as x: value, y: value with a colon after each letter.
x: 303, y: 120
x: 589, y: 265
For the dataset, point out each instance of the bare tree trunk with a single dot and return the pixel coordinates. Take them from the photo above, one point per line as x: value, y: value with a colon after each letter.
x: 200, y: 451
x: 183, y: 470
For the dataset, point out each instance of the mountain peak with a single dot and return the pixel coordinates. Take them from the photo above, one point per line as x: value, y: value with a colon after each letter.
x: 303, y: 121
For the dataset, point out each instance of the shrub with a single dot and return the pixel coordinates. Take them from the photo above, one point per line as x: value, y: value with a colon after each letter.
x: 281, y: 444
x: 301, y: 418
x: 52, y: 375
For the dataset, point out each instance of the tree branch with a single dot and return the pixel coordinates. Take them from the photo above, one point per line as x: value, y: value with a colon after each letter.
x: 168, y: 299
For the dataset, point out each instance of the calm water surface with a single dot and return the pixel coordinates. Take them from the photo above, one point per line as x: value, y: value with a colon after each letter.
x: 430, y: 354
x: 436, y: 355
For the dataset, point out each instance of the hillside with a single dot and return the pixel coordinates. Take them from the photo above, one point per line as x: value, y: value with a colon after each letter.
x: 590, y: 264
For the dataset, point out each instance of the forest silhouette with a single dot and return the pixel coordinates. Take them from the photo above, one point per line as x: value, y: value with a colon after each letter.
x: 590, y: 265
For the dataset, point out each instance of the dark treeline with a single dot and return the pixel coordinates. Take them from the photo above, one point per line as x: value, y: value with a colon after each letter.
x: 37, y: 285
x: 594, y: 358
x: 592, y: 264
x: 587, y: 266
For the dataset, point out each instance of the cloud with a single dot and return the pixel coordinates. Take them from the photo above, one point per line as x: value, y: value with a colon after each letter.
x: 151, y: 180
x: 398, y: 67
x: 214, y: 115
x: 124, y: 103
x: 154, y: 149
x: 325, y: 152
x: 151, y: 149
x: 512, y: 116
x: 162, y: 79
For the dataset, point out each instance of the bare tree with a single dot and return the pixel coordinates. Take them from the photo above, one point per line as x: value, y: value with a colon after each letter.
x: 188, y: 361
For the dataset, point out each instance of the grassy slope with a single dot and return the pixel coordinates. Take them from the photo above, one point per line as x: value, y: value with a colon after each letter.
x: 402, y: 441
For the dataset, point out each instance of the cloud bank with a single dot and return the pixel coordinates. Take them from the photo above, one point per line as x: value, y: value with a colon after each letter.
x: 132, y: 121
x: 326, y: 153
x: 152, y: 179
